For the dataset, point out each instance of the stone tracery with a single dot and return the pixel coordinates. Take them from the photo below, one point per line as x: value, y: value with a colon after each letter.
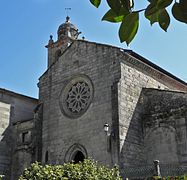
x: 78, y: 97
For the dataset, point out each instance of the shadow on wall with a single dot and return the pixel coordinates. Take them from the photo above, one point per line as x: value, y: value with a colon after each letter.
x: 132, y: 137
x: 157, y: 130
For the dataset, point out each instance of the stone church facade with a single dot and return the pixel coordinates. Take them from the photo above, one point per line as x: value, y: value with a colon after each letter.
x: 88, y: 86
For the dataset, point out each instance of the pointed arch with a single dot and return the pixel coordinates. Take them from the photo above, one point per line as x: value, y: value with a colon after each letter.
x: 76, y: 152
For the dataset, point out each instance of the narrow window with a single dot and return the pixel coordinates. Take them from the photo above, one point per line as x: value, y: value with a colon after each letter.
x: 25, y: 137
x: 46, y: 157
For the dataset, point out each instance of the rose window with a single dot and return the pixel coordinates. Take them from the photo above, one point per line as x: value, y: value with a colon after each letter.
x: 78, y: 97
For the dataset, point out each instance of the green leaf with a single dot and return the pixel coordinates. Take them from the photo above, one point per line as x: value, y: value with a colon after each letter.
x: 153, y: 18
x: 126, y: 4
x: 183, y: 4
x: 161, y: 4
x: 111, y: 16
x: 151, y: 9
x: 115, y: 5
x: 156, y: 5
x: 179, y: 12
x: 96, y: 3
x: 164, y: 19
x: 129, y: 27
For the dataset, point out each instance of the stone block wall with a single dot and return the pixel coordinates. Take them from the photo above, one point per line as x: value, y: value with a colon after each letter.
x: 4, y: 117
x: 118, y: 79
x: 21, y: 106
x: 130, y: 87
x: 165, y: 127
x: 24, y: 150
x: 101, y: 65
x: 14, y: 108
x: 136, y: 75
x: 4, y: 146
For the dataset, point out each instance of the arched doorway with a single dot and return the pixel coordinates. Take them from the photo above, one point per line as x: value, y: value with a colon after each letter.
x: 76, y: 153
x: 78, y: 157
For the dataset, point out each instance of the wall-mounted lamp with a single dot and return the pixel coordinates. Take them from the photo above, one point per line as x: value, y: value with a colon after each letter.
x: 109, y: 135
x: 106, y: 128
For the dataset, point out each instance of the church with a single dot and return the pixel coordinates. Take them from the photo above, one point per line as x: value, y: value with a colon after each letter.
x: 95, y: 101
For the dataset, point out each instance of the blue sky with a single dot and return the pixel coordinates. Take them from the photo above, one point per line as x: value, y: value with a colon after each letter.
x: 26, y: 26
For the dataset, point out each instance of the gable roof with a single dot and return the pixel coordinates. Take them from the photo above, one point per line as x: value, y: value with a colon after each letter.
x: 11, y: 93
x: 126, y: 51
x: 148, y: 62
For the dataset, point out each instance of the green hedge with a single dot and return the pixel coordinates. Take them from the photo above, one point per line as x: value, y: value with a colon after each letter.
x: 86, y: 170
x: 184, y: 177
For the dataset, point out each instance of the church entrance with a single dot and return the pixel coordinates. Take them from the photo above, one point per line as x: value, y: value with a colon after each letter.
x: 76, y: 153
x: 78, y: 157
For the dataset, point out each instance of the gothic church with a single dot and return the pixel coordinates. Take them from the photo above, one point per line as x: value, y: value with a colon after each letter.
x: 95, y: 100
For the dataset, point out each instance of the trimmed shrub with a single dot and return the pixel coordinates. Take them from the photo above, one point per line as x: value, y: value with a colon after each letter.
x: 86, y: 170
x: 168, y: 178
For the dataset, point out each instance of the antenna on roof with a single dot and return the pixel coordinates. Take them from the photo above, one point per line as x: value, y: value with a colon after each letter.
x: 67, y: 11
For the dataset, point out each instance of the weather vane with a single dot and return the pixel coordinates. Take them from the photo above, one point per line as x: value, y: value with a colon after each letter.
x: 67, y: 11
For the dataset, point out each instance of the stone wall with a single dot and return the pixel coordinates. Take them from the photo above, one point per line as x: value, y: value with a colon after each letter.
x: 165, y: 128
x: 136, y: 75
x: 13, y: 108
x: 118, y: 79
x: 24, y: 150
x: 63, y: 135
x: 4, y: 116
x: 21, y: 106
x: 4, y: 146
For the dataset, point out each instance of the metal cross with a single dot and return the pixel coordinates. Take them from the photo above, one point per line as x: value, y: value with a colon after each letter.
x: 67, y: 10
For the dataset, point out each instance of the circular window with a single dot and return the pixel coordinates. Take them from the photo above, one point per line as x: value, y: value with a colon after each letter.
x: 76, y: 96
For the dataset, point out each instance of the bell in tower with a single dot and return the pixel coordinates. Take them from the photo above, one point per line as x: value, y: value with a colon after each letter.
x: 67, y: 30
x: 67, y: 33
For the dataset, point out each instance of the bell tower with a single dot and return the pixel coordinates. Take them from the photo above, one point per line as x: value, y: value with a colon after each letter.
x: 67, y: 33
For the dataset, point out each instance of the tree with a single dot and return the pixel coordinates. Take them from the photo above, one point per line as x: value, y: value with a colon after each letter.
x: 122, y: 11
x: 87, y: 169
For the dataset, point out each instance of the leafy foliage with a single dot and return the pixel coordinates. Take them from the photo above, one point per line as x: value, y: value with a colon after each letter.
x: 184, y: 177
x: 96, y: 3
x: 122, y: 11
x: 82, y: 171
x: 129, y: 27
